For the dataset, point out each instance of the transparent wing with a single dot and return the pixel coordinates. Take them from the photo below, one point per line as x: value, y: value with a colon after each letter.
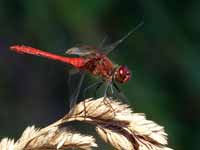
x: 101, y: 45
x: 111, y: 47
x: 75, y: 87
x: 84, y: 50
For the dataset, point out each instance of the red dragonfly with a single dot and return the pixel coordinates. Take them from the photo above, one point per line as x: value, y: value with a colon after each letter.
x: 89, y: 59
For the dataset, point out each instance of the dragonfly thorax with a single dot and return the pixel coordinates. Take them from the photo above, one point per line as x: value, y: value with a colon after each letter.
x: 122, y: 74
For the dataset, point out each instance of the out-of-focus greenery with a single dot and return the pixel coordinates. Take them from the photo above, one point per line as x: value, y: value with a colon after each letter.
x: 163, y: 55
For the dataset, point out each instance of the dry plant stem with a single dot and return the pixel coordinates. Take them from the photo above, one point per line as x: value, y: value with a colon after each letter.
x: 116, y: 139
x: 54, y: 138
x: 116, y: 125
x: 44, y: 131
x: 120, y: 121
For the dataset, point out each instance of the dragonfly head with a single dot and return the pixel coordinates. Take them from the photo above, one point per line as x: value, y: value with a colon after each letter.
x: 122, y: 74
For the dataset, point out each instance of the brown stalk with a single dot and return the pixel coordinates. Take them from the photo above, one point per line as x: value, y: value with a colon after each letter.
x: 116, y: 124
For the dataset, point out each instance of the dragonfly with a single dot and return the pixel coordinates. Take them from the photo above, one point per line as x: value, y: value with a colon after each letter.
x: 89, y: 59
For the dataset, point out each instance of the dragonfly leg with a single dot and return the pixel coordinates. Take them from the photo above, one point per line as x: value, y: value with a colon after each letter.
x: 105, y: 100
x: 116, y: 87
x: 119, y: 92
x: 109, y: 85
x: 111, y: 88
x: 106, y: 89
x: 98, y: 84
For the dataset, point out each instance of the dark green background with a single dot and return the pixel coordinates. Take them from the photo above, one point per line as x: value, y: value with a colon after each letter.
x: 163, y: 55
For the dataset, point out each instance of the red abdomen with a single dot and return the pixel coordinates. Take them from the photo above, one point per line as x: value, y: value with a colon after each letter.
x: 76, y: 62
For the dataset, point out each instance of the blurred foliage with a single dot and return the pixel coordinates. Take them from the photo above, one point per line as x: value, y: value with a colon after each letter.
x: 163, y: 56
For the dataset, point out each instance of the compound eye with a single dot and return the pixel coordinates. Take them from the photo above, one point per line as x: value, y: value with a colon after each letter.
x: 121, y: 71
x: 123, y: 74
